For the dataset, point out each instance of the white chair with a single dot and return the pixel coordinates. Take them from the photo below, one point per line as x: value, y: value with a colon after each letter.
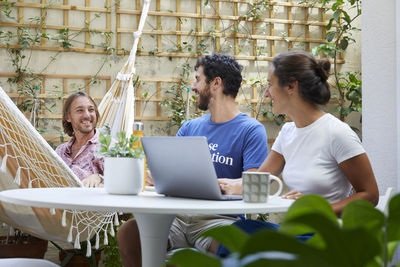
x: 383, y: 203
x: 20, y: 262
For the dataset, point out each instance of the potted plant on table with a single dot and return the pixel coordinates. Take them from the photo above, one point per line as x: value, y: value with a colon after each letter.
x: 123, y: 163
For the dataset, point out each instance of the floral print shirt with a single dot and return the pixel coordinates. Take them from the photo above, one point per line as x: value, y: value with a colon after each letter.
x: 85, y: 162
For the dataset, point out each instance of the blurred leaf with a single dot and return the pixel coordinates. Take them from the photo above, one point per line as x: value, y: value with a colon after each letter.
x: 361, y: 213
x: 230, y: 236
x: 394, y: 219
x: 193, y: 258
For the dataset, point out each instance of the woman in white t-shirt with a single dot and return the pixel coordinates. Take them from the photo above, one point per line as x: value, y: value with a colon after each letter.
x: 316, y: 153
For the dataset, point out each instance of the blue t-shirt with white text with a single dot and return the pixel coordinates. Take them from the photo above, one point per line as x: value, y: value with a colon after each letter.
x: 236, y: 145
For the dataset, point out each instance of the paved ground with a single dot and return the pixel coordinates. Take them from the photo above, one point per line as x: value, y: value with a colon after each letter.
x: 52, y: 251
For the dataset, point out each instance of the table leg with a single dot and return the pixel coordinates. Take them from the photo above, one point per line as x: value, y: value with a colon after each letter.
x: 154, y: 229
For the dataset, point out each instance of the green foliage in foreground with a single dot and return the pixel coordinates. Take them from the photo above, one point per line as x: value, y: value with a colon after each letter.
x: 363, y: 237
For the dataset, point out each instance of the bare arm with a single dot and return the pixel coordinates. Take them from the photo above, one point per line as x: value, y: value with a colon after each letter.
x: 359, y: 172
x: 273, y: 164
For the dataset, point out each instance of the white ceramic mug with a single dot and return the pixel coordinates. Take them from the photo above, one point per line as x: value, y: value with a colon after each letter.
x: 256, y: 186
x: 123, y: 175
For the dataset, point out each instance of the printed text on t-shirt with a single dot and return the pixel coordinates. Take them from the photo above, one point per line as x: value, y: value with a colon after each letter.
x: 216, y: 157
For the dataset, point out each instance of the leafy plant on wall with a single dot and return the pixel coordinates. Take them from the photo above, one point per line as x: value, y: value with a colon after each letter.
x: 339, y: 36
x: 19, y: 44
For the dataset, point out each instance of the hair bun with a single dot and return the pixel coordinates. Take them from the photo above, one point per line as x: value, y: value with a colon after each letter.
x: 323, y: 69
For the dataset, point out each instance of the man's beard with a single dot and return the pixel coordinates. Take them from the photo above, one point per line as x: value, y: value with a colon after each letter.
x: 204, y: 99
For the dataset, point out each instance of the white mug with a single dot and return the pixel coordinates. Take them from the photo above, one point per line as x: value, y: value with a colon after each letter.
x: 256, y: 186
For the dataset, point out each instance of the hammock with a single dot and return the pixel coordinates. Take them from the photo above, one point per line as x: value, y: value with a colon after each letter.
x: 117, y: 106
x: 27, y: 161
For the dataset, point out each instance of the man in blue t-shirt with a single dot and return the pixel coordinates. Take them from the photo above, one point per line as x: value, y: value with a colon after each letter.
x: 236, y: 141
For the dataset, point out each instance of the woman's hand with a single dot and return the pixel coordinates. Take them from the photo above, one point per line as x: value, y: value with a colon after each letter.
x: 230, y: 186
x: 294, y: 194
x: 93, y: 180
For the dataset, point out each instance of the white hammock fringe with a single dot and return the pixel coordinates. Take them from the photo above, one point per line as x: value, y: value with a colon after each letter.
x: 3, y: 168
x: 77, y: 244
x: 88, y: 249
x: 17, y: 178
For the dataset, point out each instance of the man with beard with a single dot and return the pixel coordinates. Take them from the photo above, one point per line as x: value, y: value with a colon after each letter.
x: 80, y: 116
x: 236, y: 141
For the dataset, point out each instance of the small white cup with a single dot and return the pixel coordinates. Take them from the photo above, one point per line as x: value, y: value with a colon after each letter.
x: 256, y: 186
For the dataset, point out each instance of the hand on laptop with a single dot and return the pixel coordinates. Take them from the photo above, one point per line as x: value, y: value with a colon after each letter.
x: 230, y: 186
x: 149, y: 179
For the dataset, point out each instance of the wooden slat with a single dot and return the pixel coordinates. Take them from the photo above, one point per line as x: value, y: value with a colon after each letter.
x: 158, y: 95
x: 289, y: 26
x: 222, y: 17
x: 66, y: 15
x: 87, y: 25
x: 236, y: 29
x: 159, y: 27
x: 43, y: 15
x: 118, y: 24
x: 21, y: 4
x: 178, y: 24
x: 217, y: 28
x: 198, y: 25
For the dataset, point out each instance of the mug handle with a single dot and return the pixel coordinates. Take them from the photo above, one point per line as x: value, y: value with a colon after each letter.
x: 279, y: 181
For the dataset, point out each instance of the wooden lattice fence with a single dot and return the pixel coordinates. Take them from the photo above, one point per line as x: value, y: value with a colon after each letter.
x: 175, y: 34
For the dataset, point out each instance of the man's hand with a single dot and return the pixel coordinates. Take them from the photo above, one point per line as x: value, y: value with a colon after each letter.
x: 230, y: 186
x: 294, y: 194
x: 149, y: 179
x: 93, y: 180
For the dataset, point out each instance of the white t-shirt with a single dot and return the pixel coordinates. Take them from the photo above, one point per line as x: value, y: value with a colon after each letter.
x: 312, y: 155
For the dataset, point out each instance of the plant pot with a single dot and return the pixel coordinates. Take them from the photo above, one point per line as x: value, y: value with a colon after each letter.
x: 31, y: 247
x: 77, y: 260
x: 123, y: 176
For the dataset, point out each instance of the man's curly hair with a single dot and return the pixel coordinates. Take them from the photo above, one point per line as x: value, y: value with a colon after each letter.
x: 225, y: 67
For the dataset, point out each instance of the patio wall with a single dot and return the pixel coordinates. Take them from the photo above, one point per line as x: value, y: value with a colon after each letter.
x: 156, y: 65
x: 381, y: 91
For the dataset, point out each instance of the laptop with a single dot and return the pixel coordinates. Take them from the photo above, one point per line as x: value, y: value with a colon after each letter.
x: 182, y: 167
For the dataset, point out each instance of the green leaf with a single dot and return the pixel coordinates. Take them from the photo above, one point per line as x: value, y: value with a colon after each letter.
x: 192, y: 258
x: 356, y: 246
x: 394, y: 219
x: 230, y: 236
x: 336, y: 14
x: 361, y: 213
x: 308, y: 204
x: 343, y: 44
x: 330, y: 36
x: 269, y: 240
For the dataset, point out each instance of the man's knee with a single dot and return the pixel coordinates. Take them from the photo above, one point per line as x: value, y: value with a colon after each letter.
x: 128, y: 232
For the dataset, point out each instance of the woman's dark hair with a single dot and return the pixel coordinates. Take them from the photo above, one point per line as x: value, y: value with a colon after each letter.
x: 311, y: 74
x: 225, y: 67
x: 67, y: 106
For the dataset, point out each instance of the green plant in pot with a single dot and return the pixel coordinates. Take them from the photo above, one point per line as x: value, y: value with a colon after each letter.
x: 123, y: 163
x: 363, y: 237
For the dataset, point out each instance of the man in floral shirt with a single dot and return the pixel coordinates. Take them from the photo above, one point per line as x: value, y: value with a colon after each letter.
x: 80, y: 116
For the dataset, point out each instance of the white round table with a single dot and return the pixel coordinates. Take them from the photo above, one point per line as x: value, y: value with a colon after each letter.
x: 154, y: 213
